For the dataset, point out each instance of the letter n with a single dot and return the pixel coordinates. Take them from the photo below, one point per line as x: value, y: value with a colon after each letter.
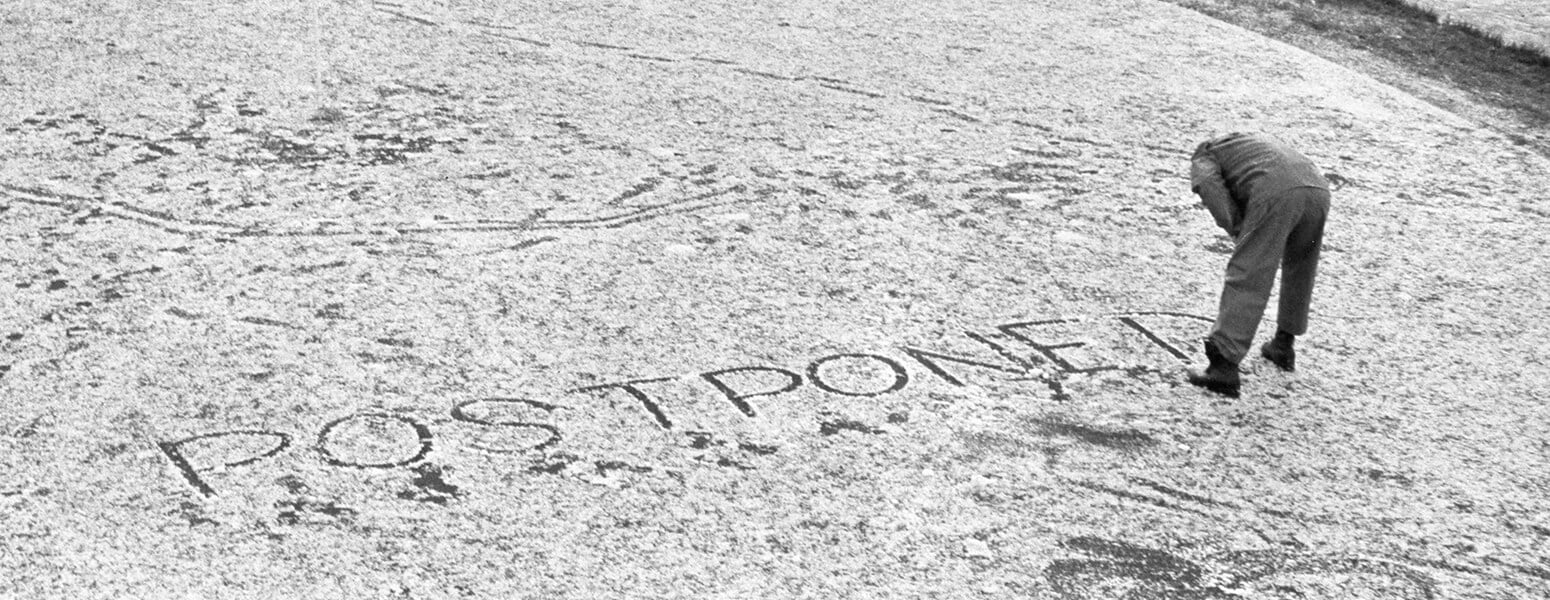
x: 930, y: 359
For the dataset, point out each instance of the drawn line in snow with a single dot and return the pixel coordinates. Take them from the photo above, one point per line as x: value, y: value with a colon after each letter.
x: 852, y: 90
x: 535, y: 221
x: 1177, y: 493
x: 408, y: 17
x: 765, y: 74
x: 650, y: 57
x: 1158, y: 502
x: 958, y: 115
x: 601, y: 45
x: 940, y: 106
x: 517, y: 38
x: 926, y: 100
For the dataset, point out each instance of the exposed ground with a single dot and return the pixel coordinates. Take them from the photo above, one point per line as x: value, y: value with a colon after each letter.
x: 696, y: 299
x: 1520, y: 23
x: 1433, y: 49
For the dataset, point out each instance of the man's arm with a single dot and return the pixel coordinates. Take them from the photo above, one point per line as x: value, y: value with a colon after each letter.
x: 1206, y: 177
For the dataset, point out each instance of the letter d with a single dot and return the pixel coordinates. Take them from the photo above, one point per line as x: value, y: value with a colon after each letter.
x: 174, y: 452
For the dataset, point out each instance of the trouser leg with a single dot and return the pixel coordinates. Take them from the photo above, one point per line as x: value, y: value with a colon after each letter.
x: 1251, y: 272
x: 1300, y: 263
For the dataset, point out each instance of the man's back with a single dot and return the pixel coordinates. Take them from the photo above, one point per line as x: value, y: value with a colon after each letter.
x: 1255, y: 163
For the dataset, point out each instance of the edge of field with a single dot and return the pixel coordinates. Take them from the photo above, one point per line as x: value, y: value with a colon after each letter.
x: 1459, y: 67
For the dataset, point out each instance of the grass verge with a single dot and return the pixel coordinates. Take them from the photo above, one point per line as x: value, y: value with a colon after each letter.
x: 1452, y: 66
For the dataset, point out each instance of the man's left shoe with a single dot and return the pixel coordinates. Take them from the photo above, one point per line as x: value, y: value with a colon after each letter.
x: 1221, y: 376
x: 1281, y: 351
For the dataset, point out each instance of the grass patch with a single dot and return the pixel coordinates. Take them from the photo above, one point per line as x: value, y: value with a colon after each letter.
x: 1410, y: 48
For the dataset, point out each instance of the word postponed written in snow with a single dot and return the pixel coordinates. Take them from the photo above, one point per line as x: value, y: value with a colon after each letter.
x: 1051, y: 360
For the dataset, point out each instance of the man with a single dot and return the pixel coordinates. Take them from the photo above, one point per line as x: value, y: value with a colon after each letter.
x: 1272, y: 200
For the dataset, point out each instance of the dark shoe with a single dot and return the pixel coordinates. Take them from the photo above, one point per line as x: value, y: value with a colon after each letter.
x: 1280, y: 351
x: 1221, y: 376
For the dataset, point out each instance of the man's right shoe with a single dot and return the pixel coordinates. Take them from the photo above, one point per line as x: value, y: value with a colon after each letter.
x: 1280, y: 352
x: 1221, y: 376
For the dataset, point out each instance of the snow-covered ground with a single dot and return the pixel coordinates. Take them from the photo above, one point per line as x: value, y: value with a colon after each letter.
x: 714, y: 299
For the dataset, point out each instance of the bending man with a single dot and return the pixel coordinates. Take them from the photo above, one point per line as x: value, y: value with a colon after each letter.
x: 1273, y: 201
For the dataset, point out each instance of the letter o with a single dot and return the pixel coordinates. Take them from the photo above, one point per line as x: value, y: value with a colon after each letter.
x: 421, y: 431
x: 900, y: 376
